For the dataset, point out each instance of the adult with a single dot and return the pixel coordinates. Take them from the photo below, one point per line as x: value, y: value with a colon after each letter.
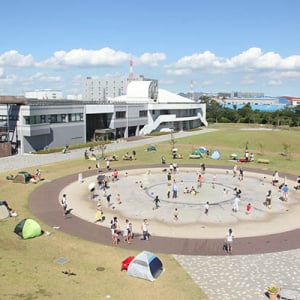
x: 145, y: 230
x: 64, y: 203
x: 275, y: 178
x: 234, y: 170
x: 126, y: 232
x: 175, y: 190
x: 236, y: 204
x: 229, y: 240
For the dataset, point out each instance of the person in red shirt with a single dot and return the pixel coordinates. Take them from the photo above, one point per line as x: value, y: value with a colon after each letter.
x: 248, y: 208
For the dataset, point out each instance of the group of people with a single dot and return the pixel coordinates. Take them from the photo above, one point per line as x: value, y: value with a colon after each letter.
x: 117, y: 233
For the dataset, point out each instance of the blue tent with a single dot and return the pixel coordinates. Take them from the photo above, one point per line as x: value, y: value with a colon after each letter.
x: 145, y: 265
x: 216, y: 155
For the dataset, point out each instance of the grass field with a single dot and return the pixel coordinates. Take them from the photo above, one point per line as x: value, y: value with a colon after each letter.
x: 28, y: 268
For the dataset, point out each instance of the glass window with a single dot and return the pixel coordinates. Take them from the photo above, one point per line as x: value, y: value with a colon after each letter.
x: 143, y: 113
x: 120, y: 114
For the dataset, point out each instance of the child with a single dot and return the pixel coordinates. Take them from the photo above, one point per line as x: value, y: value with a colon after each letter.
x: 115, y: 238
x: 176, y: 214
x: 248, y: 208
x: 206, y: 208
x: 119, y: 199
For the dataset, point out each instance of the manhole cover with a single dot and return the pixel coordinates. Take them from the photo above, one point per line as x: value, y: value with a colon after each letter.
x: 100, y: 269
x: 61, y: 260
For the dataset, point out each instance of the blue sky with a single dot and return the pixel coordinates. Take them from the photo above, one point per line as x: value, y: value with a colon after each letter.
x: 222, y: 46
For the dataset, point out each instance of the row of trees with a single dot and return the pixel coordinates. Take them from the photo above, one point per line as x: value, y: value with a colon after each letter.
x: 216, y: 113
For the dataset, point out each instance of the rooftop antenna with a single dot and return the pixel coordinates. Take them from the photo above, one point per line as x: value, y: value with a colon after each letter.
x: 192, y: 89
x: 131, y: 69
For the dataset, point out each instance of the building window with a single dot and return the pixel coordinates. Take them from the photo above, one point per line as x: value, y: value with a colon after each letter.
x: 78, y: 117
x: 3, y: 118
x: 143, y: 113
x: 53, y: 118
x: 63, y: 118
x: 121, y: 115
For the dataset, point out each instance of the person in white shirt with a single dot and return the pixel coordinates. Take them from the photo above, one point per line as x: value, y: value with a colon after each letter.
x: 229, y: 240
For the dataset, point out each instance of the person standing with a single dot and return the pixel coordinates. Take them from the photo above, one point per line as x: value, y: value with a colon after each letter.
x: 206, y: 208
x: 236, y: 204
x: 174, y: 189
x: 107, y: 164
x: 115, y: 175
x: 285, y: 191
x: 145, y: 230
x: 64, y: 203
x: 229, y: 240
x: 248, y: 208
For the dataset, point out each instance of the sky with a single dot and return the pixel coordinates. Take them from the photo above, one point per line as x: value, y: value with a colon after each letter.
x: 188, y: 46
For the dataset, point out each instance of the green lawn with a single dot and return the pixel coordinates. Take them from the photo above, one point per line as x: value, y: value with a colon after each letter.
x: 28, y: 270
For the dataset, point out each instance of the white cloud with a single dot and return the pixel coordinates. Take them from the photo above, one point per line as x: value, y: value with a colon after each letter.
x: 43, y: 77
x: 206, y: 83
x: 250, y: 60
x: 86, y: 58
x: 274, y: 82
x: 14, y: 59
x: 151, y: 59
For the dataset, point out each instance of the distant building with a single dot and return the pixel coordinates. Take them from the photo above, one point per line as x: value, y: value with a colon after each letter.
x: 290, y: 100
x: 247, y: 95
x: 44, y: 94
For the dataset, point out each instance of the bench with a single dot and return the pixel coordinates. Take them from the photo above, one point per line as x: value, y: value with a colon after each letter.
x: 193, y: 156
x: 263, y: 161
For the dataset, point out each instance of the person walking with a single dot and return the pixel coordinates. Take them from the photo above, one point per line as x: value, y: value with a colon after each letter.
x: 229, y: 240
x: 156, y: 202
x: 269, y: 199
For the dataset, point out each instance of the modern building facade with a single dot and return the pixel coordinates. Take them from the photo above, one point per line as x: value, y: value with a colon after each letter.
x: 33, y: 124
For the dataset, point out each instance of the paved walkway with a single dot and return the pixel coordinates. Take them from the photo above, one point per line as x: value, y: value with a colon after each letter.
x: 220, y: 276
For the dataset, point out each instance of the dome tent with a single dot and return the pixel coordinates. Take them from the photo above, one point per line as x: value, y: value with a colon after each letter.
x: 151, y: 148
x: 4, y: 210
x: 28, y: 228
x: 145, y: 265
x: 216, y: 155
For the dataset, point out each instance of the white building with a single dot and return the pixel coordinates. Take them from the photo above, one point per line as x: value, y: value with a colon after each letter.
x: 35, y: 124
x: 44, y: 94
